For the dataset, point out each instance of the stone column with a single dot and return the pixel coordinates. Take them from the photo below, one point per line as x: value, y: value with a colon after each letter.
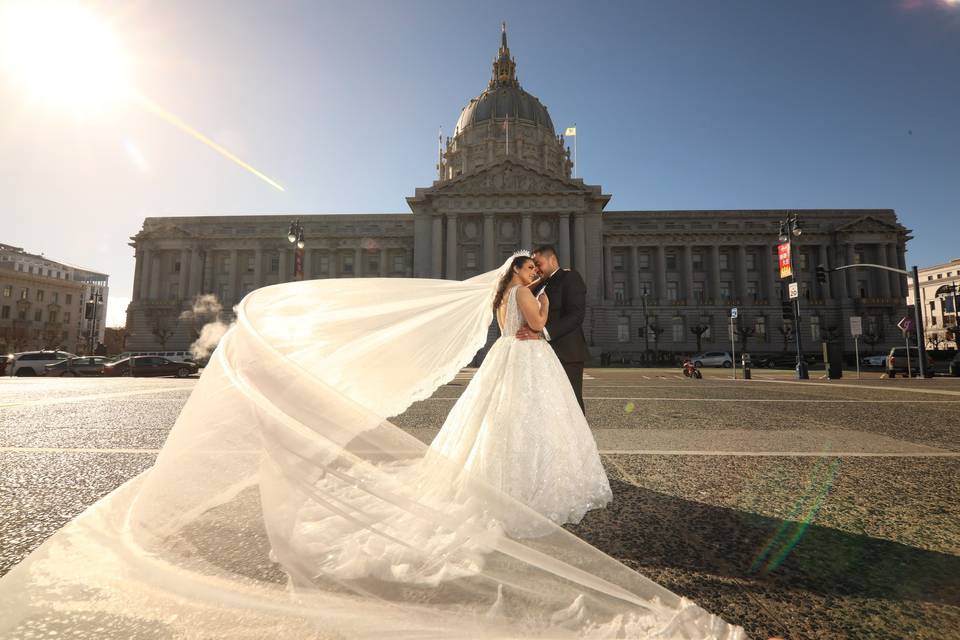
x: 489, y: 242
x: 893, y: 279
x: 564, y: 237
x: 715, y: 274
x: 358, y: 262
x: 138, y: 273
x: 155, y: 275
x: 437, y: 246
x: 661, y: 274
x: 234, y: 270
x: 825, y: 287
x: 580, y: 238
x: 383, y: 262
x: 451, y: 247
x: 688, y: 273
x: 282, y: 268
x: 307, y: 263
x: 257, y: 267
x: 332, y: 262
x: 184, y: 271
x: 742, y: 275
x: 767, y: 272
x: 635, y: 274
x: 526, y: 232
x: 608, y: 272
x: 850, y: 282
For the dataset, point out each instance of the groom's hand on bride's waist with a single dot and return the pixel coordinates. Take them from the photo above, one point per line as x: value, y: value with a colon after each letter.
x: 526, y: 333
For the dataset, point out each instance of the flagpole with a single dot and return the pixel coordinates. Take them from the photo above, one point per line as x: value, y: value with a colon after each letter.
x: 575, y: 167
x: 508, y: 135
x: 440, y: 154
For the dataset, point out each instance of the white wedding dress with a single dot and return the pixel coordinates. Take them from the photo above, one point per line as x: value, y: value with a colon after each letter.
x: 518, y: 427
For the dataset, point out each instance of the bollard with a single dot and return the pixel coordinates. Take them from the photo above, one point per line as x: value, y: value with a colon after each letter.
x: 745, y: 361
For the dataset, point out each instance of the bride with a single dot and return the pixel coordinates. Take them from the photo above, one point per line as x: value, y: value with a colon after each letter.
x: 518, y: 425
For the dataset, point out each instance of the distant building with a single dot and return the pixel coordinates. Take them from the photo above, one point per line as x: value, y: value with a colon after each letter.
x: 939, y: 293
x: 42, y: 303
x: 504, y: 182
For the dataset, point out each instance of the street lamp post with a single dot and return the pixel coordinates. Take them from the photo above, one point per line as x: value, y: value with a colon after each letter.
x: 791, y: 227
x: 96, y: 299
x: 295, y: 236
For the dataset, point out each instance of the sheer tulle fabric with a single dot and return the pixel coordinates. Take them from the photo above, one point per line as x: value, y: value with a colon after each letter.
x: 285, y: 504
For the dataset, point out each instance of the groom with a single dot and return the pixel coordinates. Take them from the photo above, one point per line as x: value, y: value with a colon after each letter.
x: 568, y: 305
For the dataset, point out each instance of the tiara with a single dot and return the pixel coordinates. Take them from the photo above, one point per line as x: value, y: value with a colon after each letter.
x: 522, y: 252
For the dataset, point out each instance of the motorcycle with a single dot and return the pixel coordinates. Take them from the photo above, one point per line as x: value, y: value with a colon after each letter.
x: 691, y: 370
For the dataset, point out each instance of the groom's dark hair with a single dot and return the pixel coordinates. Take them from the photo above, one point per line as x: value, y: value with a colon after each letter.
x: 546, y: 250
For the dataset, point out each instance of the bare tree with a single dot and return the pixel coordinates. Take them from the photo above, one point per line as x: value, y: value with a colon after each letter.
x: 787, y: 332
x: 871, y: 339
x: 161, y: 327
x: 745, y: 334
x: 935, y: 341
x: 699, y: 331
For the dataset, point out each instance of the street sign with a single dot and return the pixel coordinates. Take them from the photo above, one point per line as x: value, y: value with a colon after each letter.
x: 783, y: 255
x: 733, y: 313
x: 856, y: 326
x: 905, y: 325
x: 794, y: 290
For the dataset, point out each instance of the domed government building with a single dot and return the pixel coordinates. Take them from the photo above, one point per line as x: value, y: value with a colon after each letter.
x: 655, y: 279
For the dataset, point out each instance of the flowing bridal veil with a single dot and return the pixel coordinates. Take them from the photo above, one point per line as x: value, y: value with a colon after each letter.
x: 285, y: 504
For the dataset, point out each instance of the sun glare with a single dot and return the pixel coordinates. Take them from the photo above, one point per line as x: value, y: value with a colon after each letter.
x: 63, y: 55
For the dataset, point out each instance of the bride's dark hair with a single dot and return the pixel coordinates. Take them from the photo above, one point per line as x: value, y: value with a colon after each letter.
x: 518, y: 262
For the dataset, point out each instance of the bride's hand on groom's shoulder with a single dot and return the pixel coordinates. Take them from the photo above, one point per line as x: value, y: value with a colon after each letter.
x: 526, y: 333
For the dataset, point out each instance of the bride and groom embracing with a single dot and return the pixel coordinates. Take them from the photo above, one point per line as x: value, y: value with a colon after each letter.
x: 519, y: 425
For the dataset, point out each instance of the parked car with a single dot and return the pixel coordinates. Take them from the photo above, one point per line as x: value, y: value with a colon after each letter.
x: 874, y: 361
x: 144, y: 366
x: 78, y: 366
x: 33, y: 363
x: 179, y: 356
x: 712, y: 359
x: 785, y: 361
x: 897, y: 362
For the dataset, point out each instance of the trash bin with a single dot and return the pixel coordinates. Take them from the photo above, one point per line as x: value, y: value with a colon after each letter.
x: 745, y: 362
x: 833, y: 360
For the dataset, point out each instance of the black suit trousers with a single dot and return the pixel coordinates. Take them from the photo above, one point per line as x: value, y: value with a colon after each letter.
x: 575, y: 374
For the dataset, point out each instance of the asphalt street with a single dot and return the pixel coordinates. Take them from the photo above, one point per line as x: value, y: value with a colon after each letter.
x: 820, y: 509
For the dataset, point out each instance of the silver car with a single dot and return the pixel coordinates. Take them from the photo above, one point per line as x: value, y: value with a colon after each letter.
x: 33, y: 363
x: 713, y: 359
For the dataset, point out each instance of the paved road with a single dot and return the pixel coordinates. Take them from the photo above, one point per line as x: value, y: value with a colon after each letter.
x: 823, y: 509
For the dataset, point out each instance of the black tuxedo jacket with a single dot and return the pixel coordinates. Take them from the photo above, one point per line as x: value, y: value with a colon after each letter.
x: 568, y: 306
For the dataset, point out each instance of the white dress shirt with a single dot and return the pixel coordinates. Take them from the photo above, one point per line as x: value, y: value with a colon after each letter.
x: 546, y: 334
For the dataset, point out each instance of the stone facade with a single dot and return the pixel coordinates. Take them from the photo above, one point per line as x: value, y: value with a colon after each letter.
x: 503, y: 183
x: 42, y: 303
x: 938, y: 310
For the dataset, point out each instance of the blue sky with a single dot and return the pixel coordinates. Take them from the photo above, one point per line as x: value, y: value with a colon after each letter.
x: 679, y: 105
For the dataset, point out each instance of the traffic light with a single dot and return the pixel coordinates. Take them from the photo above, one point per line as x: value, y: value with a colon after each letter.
x: 787, y: 311
x: 821, y: 274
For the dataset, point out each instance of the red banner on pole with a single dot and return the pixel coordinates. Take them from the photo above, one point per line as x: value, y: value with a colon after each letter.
x: 783, y: 253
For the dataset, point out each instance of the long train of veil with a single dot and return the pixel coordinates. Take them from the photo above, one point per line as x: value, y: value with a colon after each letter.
x: 284, y: 503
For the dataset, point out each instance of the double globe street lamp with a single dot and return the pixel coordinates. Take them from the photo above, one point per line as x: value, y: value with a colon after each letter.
x: 295, y: 236
x: 791, y: 228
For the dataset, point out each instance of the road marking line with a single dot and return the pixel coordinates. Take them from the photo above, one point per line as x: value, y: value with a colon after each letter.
x: 99, y: 396
x: 72, y: 450
x: 781, y: 454
x: 858, y: 386
x: 777, y: 400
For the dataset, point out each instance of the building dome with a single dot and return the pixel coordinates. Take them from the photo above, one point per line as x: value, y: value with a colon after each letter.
x: 504, y: 98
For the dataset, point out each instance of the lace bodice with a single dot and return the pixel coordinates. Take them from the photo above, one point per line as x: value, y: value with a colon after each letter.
x: 510, y: 317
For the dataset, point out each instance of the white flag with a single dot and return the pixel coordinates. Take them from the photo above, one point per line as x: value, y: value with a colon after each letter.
x: 571, y: 131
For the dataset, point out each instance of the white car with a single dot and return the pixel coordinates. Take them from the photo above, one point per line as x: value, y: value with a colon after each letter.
x: 874, y: 361
x: 33, y: 363
x: 713, y: 359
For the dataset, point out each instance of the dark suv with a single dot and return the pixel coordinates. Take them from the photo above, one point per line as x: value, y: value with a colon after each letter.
x: 897, y: 362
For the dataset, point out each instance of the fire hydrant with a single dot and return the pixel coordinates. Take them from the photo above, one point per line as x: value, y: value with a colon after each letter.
x: 745, y: 361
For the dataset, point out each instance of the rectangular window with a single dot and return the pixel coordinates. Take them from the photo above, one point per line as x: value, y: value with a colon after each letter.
x: 673, y: 291
x: 697, y: 260
x: 398, y: 264
x: 724, y: 261
x: 678, y: 331
x: 39, y: 295
x: 617, y: 260
x: 645, y: 287
x: 24, y: 292
x: 38, y: 315
x: 176, y: 266
x: 251, y: 263
x: 373, y: 264
x: 5, y: 312
x: 751, y: 261
x: 623, y: 330
x: 66, y: 316
x: 753, y: 291
x: 862, y: 288
x: 225, y: 264
x: 173, y: 290
x: 726, y: 289
x: 698, y: 292
x: 347, y: 264
x: 760, y: 327
x: 323, y: 264
x: 671, y: 259
x: 644, y: 260
x: 53, y: 316
x: 275, y: 263
x: 619, y: 291
x: 802, y: 261
x: 815, y: 328
x: 470, y: 260
x: 7, y: 291
x: 56, y: 297
x: 69, y: 298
